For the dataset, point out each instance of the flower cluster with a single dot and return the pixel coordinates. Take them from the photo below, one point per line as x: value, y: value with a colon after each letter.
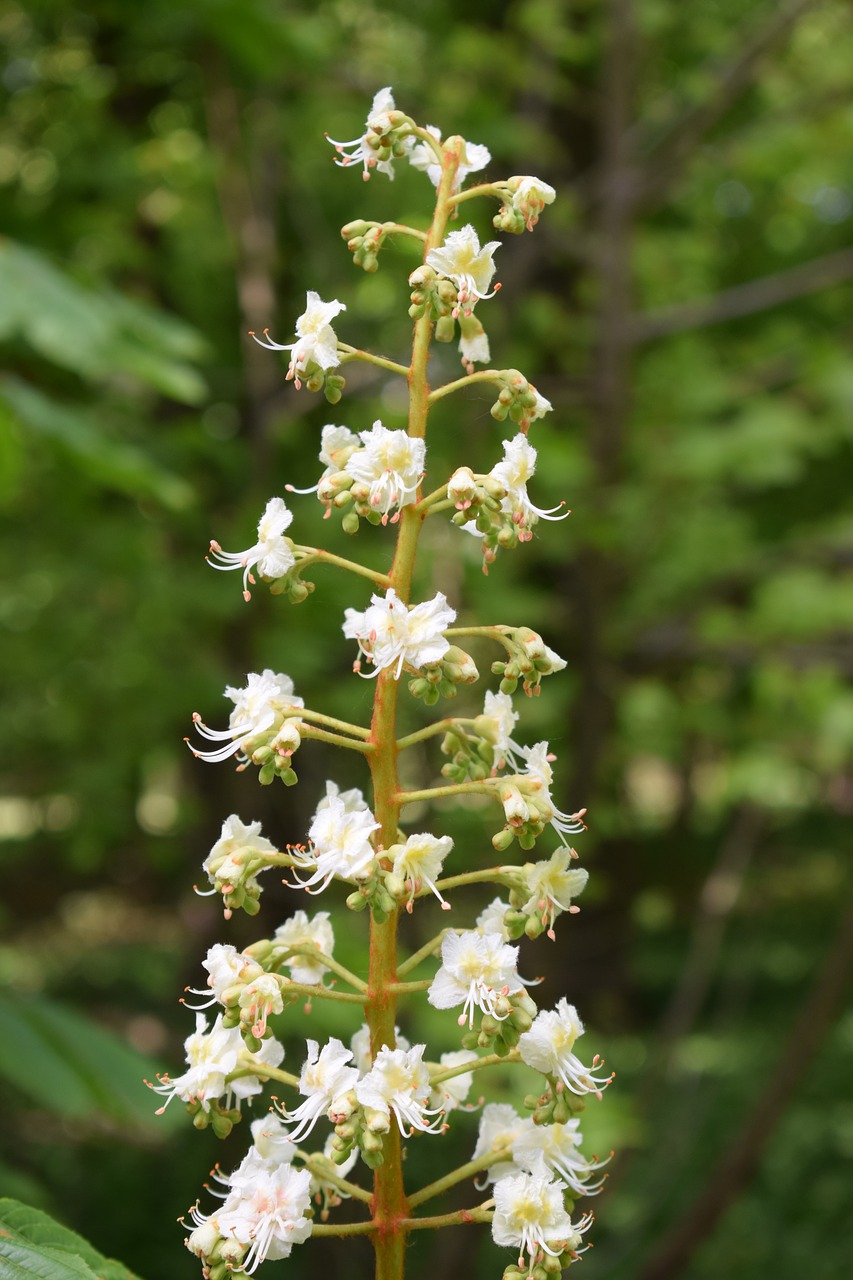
x: 395, y: 637
x: 366, y: 1090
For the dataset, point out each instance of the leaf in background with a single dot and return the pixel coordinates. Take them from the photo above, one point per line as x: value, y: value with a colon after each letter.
x: 110, y: 462
x: 95, y: 335
x: 33, y: 1244
x: 73, y: 1067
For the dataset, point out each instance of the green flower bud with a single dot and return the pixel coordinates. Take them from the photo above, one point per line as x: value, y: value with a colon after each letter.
x: 356, y: 228
x: 445, y: 329
x: 220, y: 1124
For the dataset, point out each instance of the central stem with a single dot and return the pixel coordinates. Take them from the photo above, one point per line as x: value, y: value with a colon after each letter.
x: 390, y: 1209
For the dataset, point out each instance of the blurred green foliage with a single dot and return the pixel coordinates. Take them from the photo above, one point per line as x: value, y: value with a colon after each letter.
x: 166, y: 186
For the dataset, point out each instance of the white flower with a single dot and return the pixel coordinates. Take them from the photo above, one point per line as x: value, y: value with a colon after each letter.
x: 474, y: 157
x: 325, y: 1077
x: 473, y: 342
x: 475, y: 970
x: 316, y: 343
x: 352, y: 800
x: 239, y: 844
x: 552, y: 886
x: 398, y: 1082
x: 529, y: 197
x: 451, y: 1094
x: 259, y: 708
x: 518, y: 466
x: 499, y: 711
x: 461, y: 260
x: 390, y: 464
x: 362, y: 150
x: 227, y: 967
x: 212, y: 1056
x: 390, y: 634
x: 360, y: 1045
x: 336, y: 444
x: 529, y: 1214
x: 541, y: 406
x: 300, y: 931
x: 341, y: 845
x: 558, y: 1145
x: 268, y: 1214
x: 420, y: 859
x: 547, y: 1047
x: 272, y: 553
x: 491, y: 919
x: 500, y: 1128
x: 538, y: 760
x: 271, y: 1139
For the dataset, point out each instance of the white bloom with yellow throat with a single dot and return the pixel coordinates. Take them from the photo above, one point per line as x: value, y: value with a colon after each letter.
x: 316, y: 342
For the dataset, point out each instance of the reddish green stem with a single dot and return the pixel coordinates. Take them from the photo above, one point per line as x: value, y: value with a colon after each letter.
x: 390, y: 1210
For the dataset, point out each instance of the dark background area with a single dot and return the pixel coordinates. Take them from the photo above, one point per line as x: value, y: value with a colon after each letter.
x: 685, y: 305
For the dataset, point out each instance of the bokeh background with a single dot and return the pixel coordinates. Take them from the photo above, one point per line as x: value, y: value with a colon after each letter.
x: 685, y: 305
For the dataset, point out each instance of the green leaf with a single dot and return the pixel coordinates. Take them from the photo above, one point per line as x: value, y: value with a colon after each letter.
x: 75, y: 1068
x: 96, y: 335
x: 113, y: 463
x: 33, y: 1244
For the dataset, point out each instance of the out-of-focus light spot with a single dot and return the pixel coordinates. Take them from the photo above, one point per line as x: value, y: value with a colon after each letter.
x: 784, y: 233
x: 10, y: 163
x: 732, y: 199
x: 654, y: 787
x: 38, y: 173
x: 19, y: 74
x: 19, y: 818
x: 182, y: 146
x: 60, y: 812
x: 160, y: 206
x: 652, y: 910
x: 156, y: 812
x: 832, y: 204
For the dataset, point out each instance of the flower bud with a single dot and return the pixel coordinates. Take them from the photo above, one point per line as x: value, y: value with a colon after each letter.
x: 376, y: 1122
x: 221, y: 1124
x: 232, y: 1252
x: 334, y: 387
x: 356, y: 228
x: 462, y: 487
x: 342, y: 1107
x: 288, y: 738
x: 203, y: 1240
x: 445, y: 329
